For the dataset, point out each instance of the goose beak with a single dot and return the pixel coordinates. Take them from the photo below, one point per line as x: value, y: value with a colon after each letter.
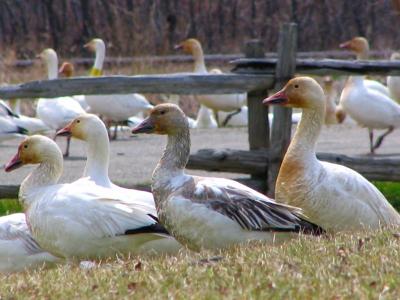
x: 14, y: 163
x: 147, y: 126
x: 278, y: 98
x: 178, y: 47
x: 344, y: 45
x: 66, y: 131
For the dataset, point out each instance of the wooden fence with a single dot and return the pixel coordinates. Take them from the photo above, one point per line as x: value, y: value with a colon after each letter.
x: 254, y: 74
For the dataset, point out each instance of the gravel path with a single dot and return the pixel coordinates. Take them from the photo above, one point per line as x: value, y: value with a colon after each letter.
x: 133, y: 158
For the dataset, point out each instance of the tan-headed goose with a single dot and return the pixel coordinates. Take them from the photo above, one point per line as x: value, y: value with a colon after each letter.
x: 206, y: 212
x: 332, y: 196
x: 231, y: 103
x: 79, y: 220
x: 91, y: 129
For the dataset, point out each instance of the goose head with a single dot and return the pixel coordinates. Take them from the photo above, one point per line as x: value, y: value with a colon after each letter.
x: 66, y: 69
x: 300, y: 92
x: 359, y: 45
x: 49, y: 56
x: 34, y: 150
x: 84, y: 127
x: 189, y: 46
x: 164, y: 118
x: 95, y: 45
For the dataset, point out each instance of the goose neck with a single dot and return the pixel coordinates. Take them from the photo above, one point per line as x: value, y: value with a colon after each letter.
x: 100, y: 54
x: 305, y: 139
x: 174, y: 158
x: 199, y: 63
x: 98, y: 152
x: 46, y: 174
x: 52, y: 67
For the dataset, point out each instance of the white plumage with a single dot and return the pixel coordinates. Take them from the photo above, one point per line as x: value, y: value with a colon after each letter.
x: 332, y: 196
x: 18, y: 249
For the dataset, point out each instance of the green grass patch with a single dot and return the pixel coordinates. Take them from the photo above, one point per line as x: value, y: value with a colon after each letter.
x: 9, y: 206
x: 391, y: 190
x: 359, y: 266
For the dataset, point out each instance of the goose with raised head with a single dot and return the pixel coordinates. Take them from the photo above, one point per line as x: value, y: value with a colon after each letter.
x: 393, y: 82
x: 56, y: 112
x: 360, y: 46
x: 231, y: 103
x: 115, y: 107
x: 90, y: 129
x: 332, y: 196
x: 367, y: 103
x: 18, y: 250
x: 67, y: 70
x: 206, y: 212
x: 80, y: 220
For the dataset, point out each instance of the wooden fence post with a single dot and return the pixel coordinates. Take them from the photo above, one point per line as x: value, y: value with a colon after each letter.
x: 282, y: 123
x: 258, y: 126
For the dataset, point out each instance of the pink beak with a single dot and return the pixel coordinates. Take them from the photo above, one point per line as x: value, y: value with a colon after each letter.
x: 14, y: 163
x: 277, y: 98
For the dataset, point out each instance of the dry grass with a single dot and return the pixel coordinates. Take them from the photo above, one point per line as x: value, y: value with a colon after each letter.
x: 347, y: 266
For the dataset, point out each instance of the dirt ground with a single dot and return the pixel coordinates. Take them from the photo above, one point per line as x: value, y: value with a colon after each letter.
x: 134, y: 158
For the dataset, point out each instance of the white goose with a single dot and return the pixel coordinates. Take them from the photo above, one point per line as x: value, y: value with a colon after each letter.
x: 360, y: 46
x: 204, y: 119
x: 393, y: 82
x: 18, y: 250
x: 231, y: 103
x: 31, y: 125
x: 81, y: 220
x: 91, y: 129
x: 115, y: 107
x: 332, y: 196
x: 9, y: 130
x: 56, y: 112
x: 206, y: 212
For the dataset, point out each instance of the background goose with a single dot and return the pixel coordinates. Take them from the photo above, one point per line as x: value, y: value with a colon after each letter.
x: 205, y: 212
x: 115, y: 107
x: 332, y: 196
x: 78, y: 220
x: 393, y: 82
x: 67, y: 70
x: 360, y: 46
x: 9, y: 130
x: 56, y: 112
x: 18, y: 249
x: 231, y: 103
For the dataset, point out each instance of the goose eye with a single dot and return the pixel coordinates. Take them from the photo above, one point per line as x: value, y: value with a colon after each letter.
x: 78, y: 121
x: 296, y: 86
x: 26, y: 146
x: 162, y: 112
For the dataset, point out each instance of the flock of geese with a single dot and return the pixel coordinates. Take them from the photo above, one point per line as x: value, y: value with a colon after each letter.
x: 92, y: 218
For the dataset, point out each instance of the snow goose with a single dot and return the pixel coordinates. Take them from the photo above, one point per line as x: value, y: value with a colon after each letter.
x: 18, y: 250
x: 360, y: 46
x: 79, y: 220
x: 206, y: 212
x: 56, y: 112
x: 67, y: 70
x: 231, y: 103
x: 30, y: 125
x: 393, y: 82
x: 9, y: 130
x: 332, y: 196
x: 115, y: 107
x: 91, y: 129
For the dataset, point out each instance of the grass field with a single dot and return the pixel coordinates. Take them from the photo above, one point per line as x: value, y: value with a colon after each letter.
x: 358, y: 266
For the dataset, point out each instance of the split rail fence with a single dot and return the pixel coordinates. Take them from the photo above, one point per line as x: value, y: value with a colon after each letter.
x: 254, y: 74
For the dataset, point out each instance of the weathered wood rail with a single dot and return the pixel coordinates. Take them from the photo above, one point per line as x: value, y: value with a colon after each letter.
x: 250, y: 162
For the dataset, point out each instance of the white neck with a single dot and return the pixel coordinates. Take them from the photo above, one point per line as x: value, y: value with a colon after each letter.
x: 205, y: 118
x: 100, y: 54
x: 199, y: 63
x: 46, y: 174
x: 305, y: 139
x: 52, y: 66
x: 98, y: 152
